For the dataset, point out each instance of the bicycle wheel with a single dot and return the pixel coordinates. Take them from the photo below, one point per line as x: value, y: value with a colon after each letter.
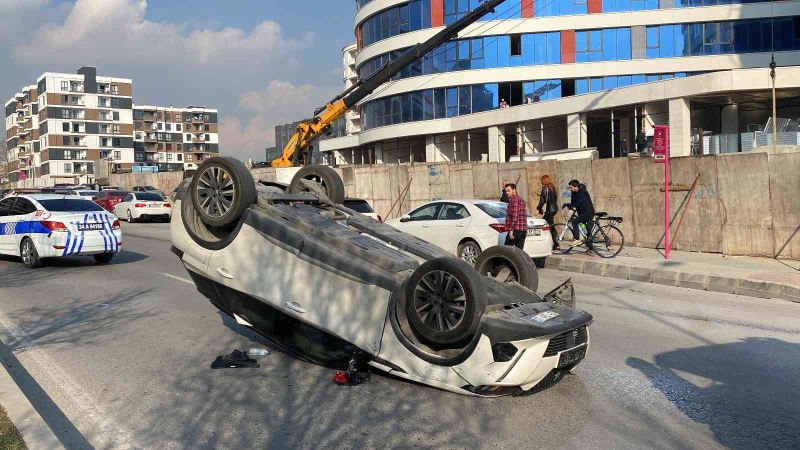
x: 565, y: 239
x: 607, y: 241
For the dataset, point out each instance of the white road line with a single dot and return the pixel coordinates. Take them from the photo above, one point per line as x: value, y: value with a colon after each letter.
x: 88, y: 410
x: 178, y: 278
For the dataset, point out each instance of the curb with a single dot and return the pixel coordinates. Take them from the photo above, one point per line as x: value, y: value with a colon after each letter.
x: 689, y: 280
x: 35, y: 432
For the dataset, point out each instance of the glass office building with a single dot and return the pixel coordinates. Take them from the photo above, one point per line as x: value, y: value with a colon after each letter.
x: 543, y: 75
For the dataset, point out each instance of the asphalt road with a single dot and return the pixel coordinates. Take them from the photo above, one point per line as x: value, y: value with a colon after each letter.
x: 118, y: 357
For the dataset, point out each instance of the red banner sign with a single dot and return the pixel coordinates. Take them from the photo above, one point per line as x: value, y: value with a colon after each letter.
x: 661, y: 143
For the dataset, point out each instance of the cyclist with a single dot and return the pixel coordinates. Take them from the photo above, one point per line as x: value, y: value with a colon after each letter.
x: 581, y: 201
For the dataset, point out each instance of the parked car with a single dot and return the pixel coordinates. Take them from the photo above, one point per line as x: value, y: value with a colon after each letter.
x: 87, y: 193
x: 146, y: 189
x: 108, y: 199
x: 362, y: 206
x: 467, y: 227
x: 143, y: 205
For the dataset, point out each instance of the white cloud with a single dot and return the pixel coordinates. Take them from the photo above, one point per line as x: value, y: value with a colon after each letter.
x: 279, y: 102
x: 116, y: 32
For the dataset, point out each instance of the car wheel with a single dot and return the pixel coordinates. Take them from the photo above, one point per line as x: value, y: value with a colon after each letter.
x: 221, y: 190
x: 469, y: 251
x: 445, y: 301
x: 539, y: 262
x: 508, y: 264
x: 130, y: 216
x: 330, y: 181
x: 103, y: 258
x: 29, y: 255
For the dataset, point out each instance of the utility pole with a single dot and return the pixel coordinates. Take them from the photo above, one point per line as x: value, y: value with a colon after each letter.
x: 772, y: 67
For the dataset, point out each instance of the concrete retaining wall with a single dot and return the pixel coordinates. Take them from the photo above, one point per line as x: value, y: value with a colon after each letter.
x: 744, y: 204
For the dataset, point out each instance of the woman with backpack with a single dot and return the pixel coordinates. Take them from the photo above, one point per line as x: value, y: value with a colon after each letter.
x: 548, y: 206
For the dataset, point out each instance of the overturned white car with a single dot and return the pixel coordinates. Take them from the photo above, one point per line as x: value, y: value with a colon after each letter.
x: 331, y: 286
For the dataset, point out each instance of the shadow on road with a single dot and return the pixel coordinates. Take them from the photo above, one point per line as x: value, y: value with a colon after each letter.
x: 17, y: 275
x: 80, y: 321
x: 746, y: 392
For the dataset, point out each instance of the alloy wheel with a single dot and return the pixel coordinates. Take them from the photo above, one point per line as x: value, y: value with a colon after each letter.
x: 216, y: 191
x: 440, y: 300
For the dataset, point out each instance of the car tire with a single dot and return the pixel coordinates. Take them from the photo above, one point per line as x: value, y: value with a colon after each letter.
x: 29, y: 255
x: 331, y: 182
x: 468, y: 251
x: 522, y: 269
x: 221, y: 191
x: 103, y: 258
x: 444, y: 302
x: 539, y: 262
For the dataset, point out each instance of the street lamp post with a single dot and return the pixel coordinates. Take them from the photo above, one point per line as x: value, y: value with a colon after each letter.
x: 772, y: 67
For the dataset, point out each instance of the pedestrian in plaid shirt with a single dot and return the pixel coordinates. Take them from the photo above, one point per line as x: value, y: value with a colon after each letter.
x: 516, y: 217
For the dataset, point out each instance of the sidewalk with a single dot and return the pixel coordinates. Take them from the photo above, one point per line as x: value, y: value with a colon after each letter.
x: 743, y: 275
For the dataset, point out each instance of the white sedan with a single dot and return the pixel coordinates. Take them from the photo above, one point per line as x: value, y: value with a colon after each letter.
x: 39, y: 226
x: 140, y: 205
x: 467, y: 227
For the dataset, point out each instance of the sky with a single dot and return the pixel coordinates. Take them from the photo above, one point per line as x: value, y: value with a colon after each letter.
x: 260, y: 62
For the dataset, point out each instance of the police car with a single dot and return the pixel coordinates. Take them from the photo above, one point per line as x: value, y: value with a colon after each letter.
x: 38, y: 226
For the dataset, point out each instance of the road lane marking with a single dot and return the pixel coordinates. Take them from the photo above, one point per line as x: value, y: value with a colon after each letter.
x: 178, y: 278
x: 111, y: 435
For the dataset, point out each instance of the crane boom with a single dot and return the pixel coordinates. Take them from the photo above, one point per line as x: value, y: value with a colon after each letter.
x: 310, y: 129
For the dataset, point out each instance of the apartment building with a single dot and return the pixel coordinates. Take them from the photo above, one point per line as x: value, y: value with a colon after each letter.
x: 57, y: 128
x: 172, y: 138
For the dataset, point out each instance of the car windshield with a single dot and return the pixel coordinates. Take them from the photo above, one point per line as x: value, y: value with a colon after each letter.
x: 115, y: 193
x: 88, y: 193
x: 69, y: 205
x: 359, y: 206
x: 149, y: 197
x: 150, y: 188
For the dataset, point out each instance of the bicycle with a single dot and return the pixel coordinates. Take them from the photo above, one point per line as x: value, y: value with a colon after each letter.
x: 606, y: 240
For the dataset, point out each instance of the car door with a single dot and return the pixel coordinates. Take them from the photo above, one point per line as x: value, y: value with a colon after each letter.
x: 451, y: 222
x: 5, y: 234
x: 121, y: 209
x: 21, y: 211
x: 420, y: 221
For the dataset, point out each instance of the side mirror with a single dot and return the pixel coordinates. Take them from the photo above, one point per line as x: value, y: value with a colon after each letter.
x: 405, y: 218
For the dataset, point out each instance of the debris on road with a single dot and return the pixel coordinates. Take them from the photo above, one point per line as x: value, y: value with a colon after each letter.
x: 234, y: 360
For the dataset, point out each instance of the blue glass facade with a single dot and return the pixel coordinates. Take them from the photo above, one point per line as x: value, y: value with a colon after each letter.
x: 441, y: 103
x: 412, y: 16
x: 716, y: 38
x: 416, y: 14
x: 479, y: 53
x: 611, y: 44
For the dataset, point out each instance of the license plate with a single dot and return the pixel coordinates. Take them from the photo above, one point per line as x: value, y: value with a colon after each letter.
x: 572, y: 356
x: 90, y: 226
x: 534, y: 231
x: 153, y: 206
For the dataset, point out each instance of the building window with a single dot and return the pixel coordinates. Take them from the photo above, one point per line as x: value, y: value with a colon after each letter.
x: 116, y: 115
x: 104, y: 128
x: 516, y: 45
x: 168, y: 126
x: 116, y: 142
x: 169, y: 156
x: 207, y: 137
x: 117, y: 155
x: 188, y: 137
x: 67, y: 168
x: 115, y: 129
x: 177, y: 127
x: 65, y: 127
x: 179, y: 156
x: 65, y: 85
x: 65, y: 114
x: 114, y: 89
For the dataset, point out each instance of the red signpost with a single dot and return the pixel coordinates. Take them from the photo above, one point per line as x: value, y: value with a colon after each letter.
x: 661, y: 156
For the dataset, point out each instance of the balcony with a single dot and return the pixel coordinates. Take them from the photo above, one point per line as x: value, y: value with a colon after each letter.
x: 197, y: 119
x: 150, y: 139
x: 198, y: 140
x: 149, y: 117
